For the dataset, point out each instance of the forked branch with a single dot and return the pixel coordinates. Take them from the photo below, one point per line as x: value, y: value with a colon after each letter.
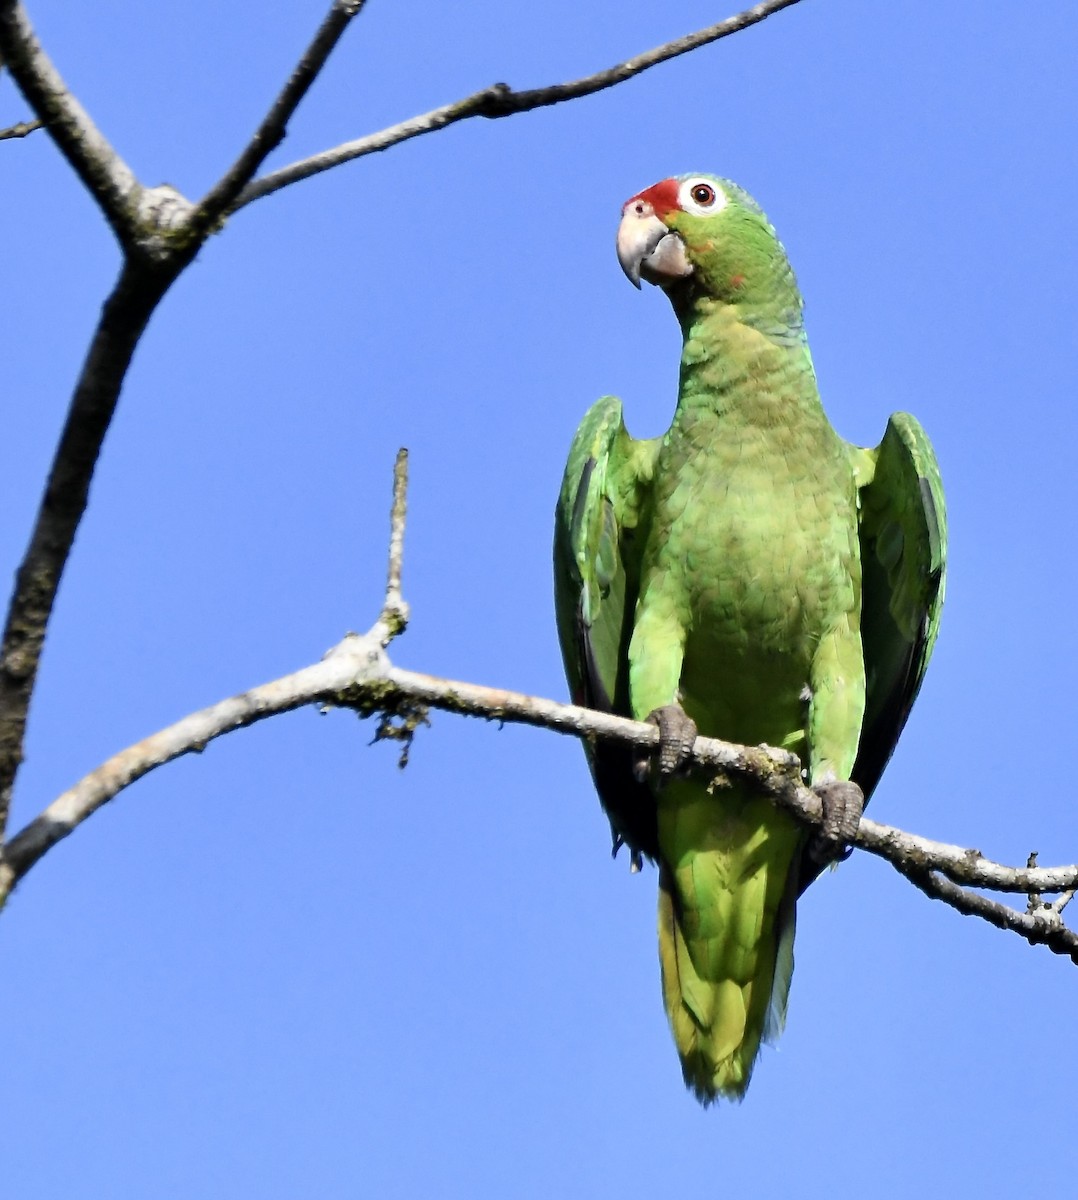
x: 107, y: 177
x: 500, y: 100
x: 160, y: 233
x: 273, y: 127
x: 358, y: 674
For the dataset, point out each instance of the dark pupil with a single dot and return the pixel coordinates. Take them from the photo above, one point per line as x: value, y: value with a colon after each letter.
x: 702, y: 194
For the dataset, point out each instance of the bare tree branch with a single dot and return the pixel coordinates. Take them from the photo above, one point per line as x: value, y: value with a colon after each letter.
x: 358, y: 674
x: 1042, y: 927
x: 20, y: 130
x: 962, y: 866
x: 108, y: 178
x: 352, y: 664
x: 394, y: 617
x: 160, y: 233
x: 346, y: 665
x: 501, y: 101
x: 271, y: 132
x: 123, y: 318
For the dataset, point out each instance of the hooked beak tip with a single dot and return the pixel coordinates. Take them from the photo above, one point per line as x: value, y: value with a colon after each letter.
x: 639, y: 233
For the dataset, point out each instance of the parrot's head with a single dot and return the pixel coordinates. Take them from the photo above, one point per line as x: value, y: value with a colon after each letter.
x: 701, y: 237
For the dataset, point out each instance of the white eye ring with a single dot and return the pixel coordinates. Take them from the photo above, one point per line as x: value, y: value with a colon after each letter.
x: 702, y: 207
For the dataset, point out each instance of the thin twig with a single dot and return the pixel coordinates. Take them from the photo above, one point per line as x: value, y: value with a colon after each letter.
x: 1042, y: 928
x: 394, y: 617
x: 501, y: 101
x: 108, y: 178
x: 21, y: 130
x: 271, y: 132
x: 1033, y: 900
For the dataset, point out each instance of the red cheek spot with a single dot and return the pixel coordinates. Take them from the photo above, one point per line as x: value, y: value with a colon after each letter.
x: 661, y: 196
x: 737, y: 281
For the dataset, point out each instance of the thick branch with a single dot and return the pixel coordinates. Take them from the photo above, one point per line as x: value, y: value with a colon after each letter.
x: 109, y: 179
x: 123, y: 319
x: 501, y: 101
x: 160, y: 234
x: 271, y: 132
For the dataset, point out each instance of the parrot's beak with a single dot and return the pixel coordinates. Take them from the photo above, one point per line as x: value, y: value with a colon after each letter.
x: 647, y: 249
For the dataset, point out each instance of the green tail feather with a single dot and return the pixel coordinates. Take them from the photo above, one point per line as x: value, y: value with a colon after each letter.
x: 726, y: 932
x: 785, y: 927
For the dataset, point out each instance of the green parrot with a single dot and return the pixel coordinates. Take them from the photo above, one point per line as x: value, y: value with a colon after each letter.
x: 751, y: 576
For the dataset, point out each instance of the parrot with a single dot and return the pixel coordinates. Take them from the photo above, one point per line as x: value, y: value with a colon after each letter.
x: 749, y: 575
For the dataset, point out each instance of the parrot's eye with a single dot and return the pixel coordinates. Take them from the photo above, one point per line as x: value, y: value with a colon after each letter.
x: 701, y: 197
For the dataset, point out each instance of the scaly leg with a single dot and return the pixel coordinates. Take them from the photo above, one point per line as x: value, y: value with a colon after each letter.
x: 836, y: 709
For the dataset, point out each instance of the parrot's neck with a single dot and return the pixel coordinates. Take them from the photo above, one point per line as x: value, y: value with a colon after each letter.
x: 751, y: 367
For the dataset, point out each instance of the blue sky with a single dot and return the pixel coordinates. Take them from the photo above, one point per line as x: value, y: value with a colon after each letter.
x: 285, y: 967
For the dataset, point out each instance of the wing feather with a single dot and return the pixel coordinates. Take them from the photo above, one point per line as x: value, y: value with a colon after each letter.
x: 597, y: 535
x: 903, y: 530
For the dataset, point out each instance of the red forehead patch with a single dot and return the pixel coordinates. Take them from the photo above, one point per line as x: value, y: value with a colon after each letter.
x: 661, y: 196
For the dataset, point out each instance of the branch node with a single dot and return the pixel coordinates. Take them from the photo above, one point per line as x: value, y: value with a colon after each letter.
x: 274, y: 126
x: 496, y: 101
x: 104, y: 173
x: 163, y: 216
x: 164, y: 208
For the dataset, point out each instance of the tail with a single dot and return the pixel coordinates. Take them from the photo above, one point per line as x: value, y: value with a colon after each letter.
x: 727, y: 893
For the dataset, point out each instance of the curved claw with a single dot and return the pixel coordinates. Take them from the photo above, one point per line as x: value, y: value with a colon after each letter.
x: 636, y: 857
x: 842, y: 803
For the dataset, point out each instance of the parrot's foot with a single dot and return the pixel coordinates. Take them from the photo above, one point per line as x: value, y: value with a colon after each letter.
x: 636, y: 859
x: 677, y: 734
x: 842, y: 804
